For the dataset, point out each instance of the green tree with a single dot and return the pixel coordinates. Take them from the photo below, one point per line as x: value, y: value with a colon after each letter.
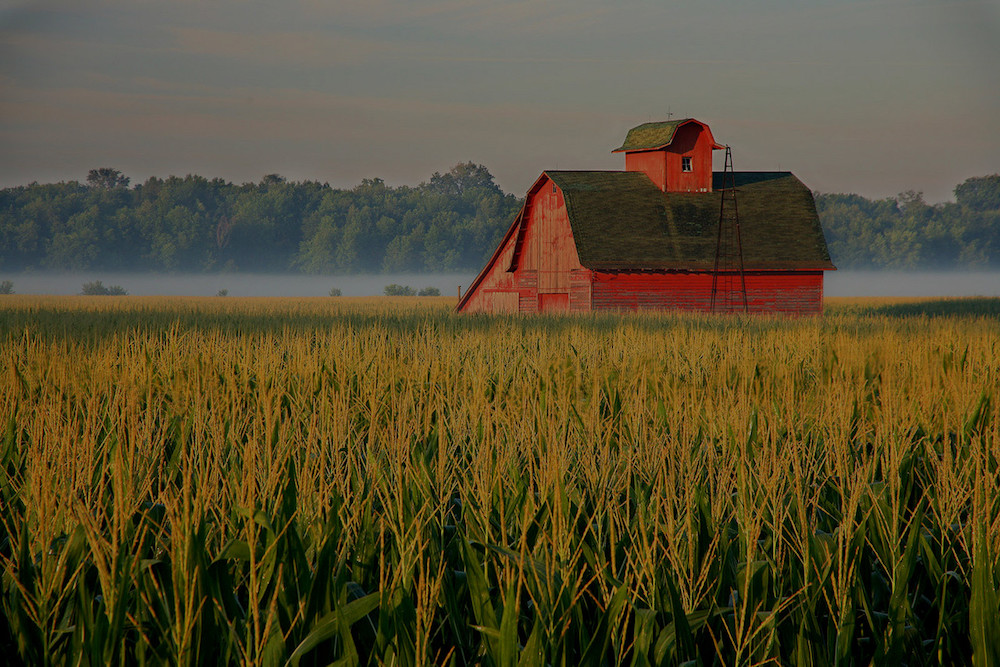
x: 107, y: 178
x: 979, y: 194
x: 77, y: 245
x: 97, y: 288
x: 399, y: 290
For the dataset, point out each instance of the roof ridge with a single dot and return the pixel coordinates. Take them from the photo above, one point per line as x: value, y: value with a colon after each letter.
x: 588, y: 171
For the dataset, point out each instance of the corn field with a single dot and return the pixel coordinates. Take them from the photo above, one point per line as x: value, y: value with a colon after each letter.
x: 382, y: 482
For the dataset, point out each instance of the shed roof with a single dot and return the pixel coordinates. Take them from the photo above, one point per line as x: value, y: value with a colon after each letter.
x: 622, y: 221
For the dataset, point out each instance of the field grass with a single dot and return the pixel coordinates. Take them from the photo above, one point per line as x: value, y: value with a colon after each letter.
x: 380, y: 481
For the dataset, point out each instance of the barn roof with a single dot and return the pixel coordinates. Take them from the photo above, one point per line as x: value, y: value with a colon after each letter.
x: 651, y: 135
x: 621, y: 221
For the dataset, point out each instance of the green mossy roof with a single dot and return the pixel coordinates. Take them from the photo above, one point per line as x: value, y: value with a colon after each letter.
x: 650, y: 135
x: 621, y: 221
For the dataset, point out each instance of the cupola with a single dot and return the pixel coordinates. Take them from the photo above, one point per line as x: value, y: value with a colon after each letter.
x: 675, y: 154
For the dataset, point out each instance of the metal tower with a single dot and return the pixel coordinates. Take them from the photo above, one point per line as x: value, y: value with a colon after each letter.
x: 729, y: 285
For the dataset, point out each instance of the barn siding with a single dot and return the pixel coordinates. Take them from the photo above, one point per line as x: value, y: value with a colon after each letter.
x: 791, y: 292
x: 552, y: 242
x: 691, y: 140
x: 663, y: 166
x: 496, y: 280
x: 652, y: 163
x: 579, y: 291
x: 545, y: 261
x: 548, y: 256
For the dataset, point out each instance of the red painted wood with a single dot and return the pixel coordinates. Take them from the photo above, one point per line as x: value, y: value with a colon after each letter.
x: 653, y: 163
x: 536, y: 268
x: 790, y: 292
x: 537, y: 262
x: 553, y: 303
x: 665, y: 166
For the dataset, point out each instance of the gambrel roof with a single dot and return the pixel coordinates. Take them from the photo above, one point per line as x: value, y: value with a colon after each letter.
x: 651, y: 136
x: 622, y: 222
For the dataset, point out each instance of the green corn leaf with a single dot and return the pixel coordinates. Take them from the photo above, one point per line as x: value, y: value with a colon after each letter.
x: 533, y: 654
x: 482, y: 608
x: 329, y: 626
x: 984, y: 605
x: 235, y: 550
x: 508, y: 629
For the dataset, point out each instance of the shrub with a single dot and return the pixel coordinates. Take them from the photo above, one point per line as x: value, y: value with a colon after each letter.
x: 399, y: 290
x: 335, y: 291
x: 7, y: 287
x: 97, y: 288
x: 429, y: 291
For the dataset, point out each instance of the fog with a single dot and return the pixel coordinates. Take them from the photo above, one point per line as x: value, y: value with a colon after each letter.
x: 236, y: 284
x: 930, y: 283
x: 838, y: 283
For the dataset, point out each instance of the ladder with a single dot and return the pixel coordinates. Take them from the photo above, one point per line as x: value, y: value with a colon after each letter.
x: 729, y: 285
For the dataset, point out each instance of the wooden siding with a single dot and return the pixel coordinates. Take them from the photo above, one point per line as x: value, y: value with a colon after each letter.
x: 550, y: 241
x: 664, y: 167
x: 482, y: 296
x: 579, y: 290
x: 553, y: 303
x: 652, y: 163
x: 790, y: 292
x: 541, y: 257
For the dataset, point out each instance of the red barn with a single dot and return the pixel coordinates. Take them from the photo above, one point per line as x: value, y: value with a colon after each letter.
x: 645, y: 238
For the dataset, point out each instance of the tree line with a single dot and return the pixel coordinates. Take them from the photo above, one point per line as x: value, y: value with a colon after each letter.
x: 451, y: 222
x: 905, y: 232
x: 193, y: 224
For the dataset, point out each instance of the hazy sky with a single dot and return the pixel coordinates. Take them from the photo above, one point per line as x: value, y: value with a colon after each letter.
x: 874, y: 97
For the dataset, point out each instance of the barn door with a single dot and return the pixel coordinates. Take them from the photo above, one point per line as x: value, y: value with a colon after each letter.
x: 553, y: 265
x: 553, y: 303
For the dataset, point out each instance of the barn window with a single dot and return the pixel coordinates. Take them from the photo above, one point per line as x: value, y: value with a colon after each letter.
x: 685, y: 164
x: 553, y: 188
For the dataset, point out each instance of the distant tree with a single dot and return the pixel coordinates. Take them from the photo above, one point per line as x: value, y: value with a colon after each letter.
x: 222, y: 292
x: 462, y: 178
x: 399, y: 290
x: 335, y: 291
x: 272, y: 179
x: 429, y: 291
x: 979, y: 194
x: 7, y: 287
x: 107, y: 178
x: 97, y: 288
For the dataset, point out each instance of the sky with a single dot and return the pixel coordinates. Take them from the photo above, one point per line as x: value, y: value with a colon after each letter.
x: 874, y: 97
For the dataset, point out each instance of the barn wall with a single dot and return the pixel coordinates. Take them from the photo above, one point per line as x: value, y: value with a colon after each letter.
x: 690, y: 140
x: 791, y: 292
x: 580, y: 282
x: 550, y: 240
x: 498, y: 292
x: 652, y: 163
x: 546, y: 262
x: 664, y: 166
x: 549, y: 257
